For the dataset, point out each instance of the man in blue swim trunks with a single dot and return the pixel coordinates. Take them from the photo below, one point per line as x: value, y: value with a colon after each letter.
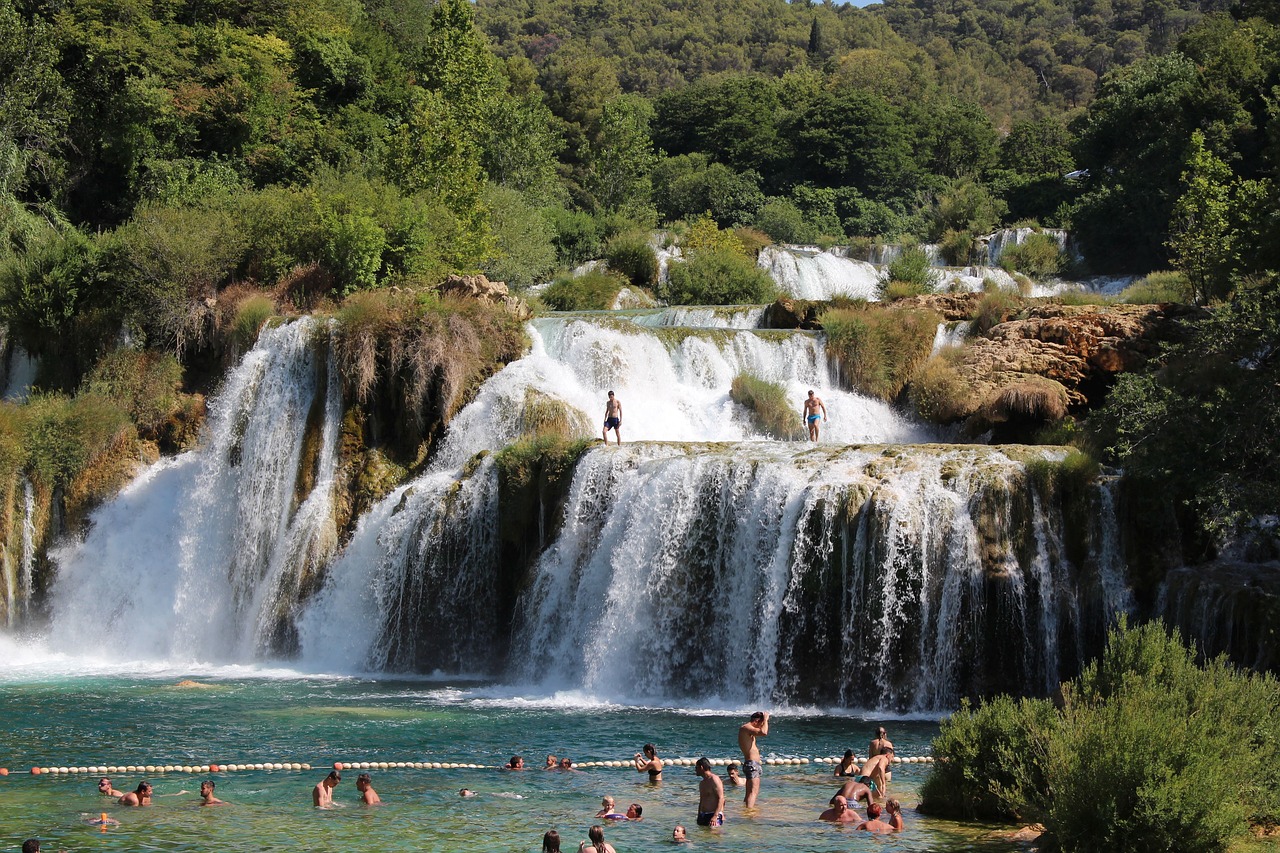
x: 811, y: 407
x: 612, y: 418
x: 710, y: 795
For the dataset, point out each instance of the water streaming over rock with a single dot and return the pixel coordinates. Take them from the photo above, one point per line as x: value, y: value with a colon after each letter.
x: 202, y: 556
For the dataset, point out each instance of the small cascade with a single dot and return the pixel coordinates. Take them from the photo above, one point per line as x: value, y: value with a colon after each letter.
x: 813, y: 274
x: 865, y: 577
x: 19, y: 374
x: 1005, y: 238
x: 704, y: 317
x: 202, y: 556
x: 673, y: 384
x: 26, y: 572
x: 950, y: 335
x: 422, y: 579
x: 883, y: 254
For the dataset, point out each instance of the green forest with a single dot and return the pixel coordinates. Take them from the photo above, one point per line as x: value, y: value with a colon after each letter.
x: 174, y: 172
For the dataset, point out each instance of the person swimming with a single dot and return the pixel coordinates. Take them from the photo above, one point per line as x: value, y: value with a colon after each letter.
x: 649, y: 762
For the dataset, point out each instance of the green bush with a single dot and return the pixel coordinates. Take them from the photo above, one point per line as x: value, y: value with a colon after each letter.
x: 911, y: 272
x: 991, y: 762
x: 1149, y: 751
x: 995, y: 307
x: 771, y: 413
x: 957, y: 247
x: 146, y: 384
x: 1083, y: 297
x: 1158, y: 288
x: 784, y: 222
x: 879, y: 350
x: 631, y: 255
x: 940, y: 394
x: 595, y: 290
x: 718, y: 277
x: 64, y: 435
x: 1038, y: 256
x: 523, y: 250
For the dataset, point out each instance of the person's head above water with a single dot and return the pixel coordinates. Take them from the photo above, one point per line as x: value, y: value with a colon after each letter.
x: 551, y: 842
x: 634, y: 811
x: 677, y: 834
x: 703, y: 765
x: 873, y: 811
x: 848, y: 753
x: 648, y: 749
x: 566, y: 764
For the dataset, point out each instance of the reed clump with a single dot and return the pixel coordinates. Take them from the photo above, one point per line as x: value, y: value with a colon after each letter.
x: 879, y: 350
x: 595, y: 290
x: 771, y: 412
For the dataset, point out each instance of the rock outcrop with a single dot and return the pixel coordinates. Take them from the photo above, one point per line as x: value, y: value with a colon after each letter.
x: 1050, y: 360
x: 479, y: 287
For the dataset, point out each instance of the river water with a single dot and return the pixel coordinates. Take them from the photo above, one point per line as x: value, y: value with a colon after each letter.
x: 71, y: 713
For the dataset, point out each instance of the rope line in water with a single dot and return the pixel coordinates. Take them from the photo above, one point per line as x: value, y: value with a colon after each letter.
x: 405, y: 765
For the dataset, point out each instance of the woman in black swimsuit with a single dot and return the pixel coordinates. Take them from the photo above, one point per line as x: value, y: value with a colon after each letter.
x: 649, y: 762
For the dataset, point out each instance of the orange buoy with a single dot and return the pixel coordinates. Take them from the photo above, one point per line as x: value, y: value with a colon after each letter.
x: 337, y: 765
x: 4, y: 771
x: 213, y: 768
x: 35, y: 771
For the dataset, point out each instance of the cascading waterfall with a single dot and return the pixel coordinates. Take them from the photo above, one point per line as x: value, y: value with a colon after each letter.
x: 704, y: 316
x: 870, y: 577
x: 674, y: 386
x: 820, y: 275
x: 197, y: 558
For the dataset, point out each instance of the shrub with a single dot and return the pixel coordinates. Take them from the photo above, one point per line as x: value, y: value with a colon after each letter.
x: 524, y: 253
x: 940, y: 393
x: 145, y: 384
x: 1158, y: 288
x: 957, y: 247
x: 1038, y: 256
x: 784, y: 222
x: 1083, y: 297
x: 631, y: 255
x: 1035, y: 398
x: 995, y: 307
x: 250, y: 316
x: 65, y: 435
x: 753, y: 240
x: 879, y: 350
x: 718, y: 277
x: 1150, y: 751
x: 990, y: 763
x: 575, y: 235
x: 771, y: 413
x: 544, y: 415
x: 911, y: 271
x: 592, y: 291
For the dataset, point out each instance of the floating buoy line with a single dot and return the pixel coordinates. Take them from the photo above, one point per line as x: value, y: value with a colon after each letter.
x: 235, y: 767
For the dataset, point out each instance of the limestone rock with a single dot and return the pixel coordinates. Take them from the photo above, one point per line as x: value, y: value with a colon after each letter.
x: 479, y: 287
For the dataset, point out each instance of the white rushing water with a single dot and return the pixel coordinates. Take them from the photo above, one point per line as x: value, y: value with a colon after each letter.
x: 194, y: 557
x: 737, y: 572
x: 811, y: 274
x: 673, y: 386
x: 703, y: 317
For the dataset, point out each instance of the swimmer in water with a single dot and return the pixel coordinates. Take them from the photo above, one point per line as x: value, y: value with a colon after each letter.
x: 140, y: 796
x: 206, y: 794
x: 678, y: 836
x: 466, y: 792
x: 567, y: 764
x: 107, y: 789
x: 606, y: 807
x: 873, y: 823
x: 368, y: 796
x: 516, y: 763
x: 552, y: 763
x: 322, y: 793
x: 102, y: 820
x: 848, y: 765
x: 734, y: 779
x: 649, y: 762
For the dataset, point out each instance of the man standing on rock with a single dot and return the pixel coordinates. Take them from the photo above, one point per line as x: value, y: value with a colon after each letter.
x: 612, y: 418
x: 811, y: 407
x: 757, y: 726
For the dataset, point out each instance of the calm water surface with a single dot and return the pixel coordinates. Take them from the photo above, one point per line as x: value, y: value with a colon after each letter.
x: 85, y: 720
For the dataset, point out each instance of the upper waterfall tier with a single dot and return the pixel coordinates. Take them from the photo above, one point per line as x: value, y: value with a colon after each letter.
x: 674, y: 385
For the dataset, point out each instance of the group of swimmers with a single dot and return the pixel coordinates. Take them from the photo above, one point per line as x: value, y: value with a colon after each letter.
x: 868, y: 782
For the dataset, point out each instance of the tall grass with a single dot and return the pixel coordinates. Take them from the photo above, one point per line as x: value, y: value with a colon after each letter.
x: 771, y: 412
x: 596, y: 290
x: 879, y: 350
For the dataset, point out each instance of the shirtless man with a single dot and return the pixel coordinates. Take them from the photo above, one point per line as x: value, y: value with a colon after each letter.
x: 840, y: 811
x: 811, y: 407
x: 140, y: 796
x: 612, y: 418
x: 710, y: 795
x: 757, y: 726
x: 368, y: 796
x: 322, y: 793
x: 734, y: 779
x: 206, y: 794
x: 516, y: 763
x: 854, y: 790
x: 873, y: 772
x: 873, y: 823
x: 107, y: 789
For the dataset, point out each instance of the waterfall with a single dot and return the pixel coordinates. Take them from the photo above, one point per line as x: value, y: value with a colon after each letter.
x: 950, y: 335
x: 871, y: 577
x: 806, y: 274
x: 704, y: 316
x: 200, y: 558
